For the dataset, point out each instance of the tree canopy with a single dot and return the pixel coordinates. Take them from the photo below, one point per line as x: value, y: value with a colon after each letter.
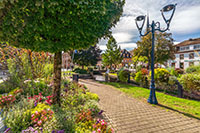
x: 88, y: 57
x: 112, y: 55
x: 164, y: 49
x: 57, y: 25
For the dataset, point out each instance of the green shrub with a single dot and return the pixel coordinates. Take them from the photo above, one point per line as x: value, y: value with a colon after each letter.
x: 172, y: 80
x: 93, y: 106
x: 123, y: 75
x: 16, y: 117
x: 141, y: 77
x: 80, y: 71
x: 92, y: 96
x: 192, y: 69
x: 161, y: 75
x: 48, y: 70
x: 190, y: 81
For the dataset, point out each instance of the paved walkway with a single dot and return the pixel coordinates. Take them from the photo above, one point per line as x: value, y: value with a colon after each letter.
x: 129, y: 115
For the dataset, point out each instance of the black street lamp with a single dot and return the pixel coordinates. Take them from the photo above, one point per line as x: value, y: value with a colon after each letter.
x: 154, y: 26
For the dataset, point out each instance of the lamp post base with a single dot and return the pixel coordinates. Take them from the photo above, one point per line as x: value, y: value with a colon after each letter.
x: 152, y: 97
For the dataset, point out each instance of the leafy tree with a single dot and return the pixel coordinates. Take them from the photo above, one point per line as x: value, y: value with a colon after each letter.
x: 57, y: 25
x: 164, y: 49
x: 88, y: 57
x: 112, y: 55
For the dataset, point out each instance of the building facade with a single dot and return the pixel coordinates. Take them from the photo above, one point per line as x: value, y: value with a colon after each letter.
x: 66, y: 60
x: 187, y: 54
x: 127, y: 58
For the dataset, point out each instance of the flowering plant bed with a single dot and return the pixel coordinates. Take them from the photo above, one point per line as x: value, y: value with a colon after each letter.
x: 34, y: 112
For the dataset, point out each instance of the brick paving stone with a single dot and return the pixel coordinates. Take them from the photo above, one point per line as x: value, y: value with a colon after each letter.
x: 129, y: 115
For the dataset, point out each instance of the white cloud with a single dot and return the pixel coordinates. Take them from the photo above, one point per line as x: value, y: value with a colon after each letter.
x: 186, y: 20
x: 102, y: 47
x: 127, y: 45
x: 122, y: 37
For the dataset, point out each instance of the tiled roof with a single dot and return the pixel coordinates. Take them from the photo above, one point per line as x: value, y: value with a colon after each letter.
x: 189, y: 42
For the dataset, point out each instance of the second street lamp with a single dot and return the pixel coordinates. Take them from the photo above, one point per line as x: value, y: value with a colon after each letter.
x: 154, y: 26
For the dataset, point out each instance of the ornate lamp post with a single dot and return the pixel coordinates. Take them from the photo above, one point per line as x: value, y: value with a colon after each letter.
x: 154, y: 26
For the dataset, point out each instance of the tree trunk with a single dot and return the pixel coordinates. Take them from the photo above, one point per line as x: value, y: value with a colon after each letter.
x: 82, y: 67
x: 57, y: 77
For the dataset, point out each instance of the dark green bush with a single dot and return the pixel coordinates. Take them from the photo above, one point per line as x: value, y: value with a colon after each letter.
x: 80, y: 71
x: 190, y: 81
x: 141, y: 77
x: 123, y: 75
x: 192, y: 69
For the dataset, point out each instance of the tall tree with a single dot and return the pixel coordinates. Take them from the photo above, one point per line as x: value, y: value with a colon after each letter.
x: 57, y: 25
x: 112, y: 55
x: 88, y: 57
x: 164, y: 49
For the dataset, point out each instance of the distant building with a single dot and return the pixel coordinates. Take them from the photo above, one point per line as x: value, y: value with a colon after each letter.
x: 66, y: 60
x: 127, y: 58
x: 187, y: 54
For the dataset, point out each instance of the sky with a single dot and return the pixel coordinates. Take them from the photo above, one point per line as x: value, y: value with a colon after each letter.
x: 185, y: 23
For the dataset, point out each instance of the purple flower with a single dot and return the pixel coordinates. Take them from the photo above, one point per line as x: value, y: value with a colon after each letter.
x: 35, y: 103
x: 101, y: 112
x: 66, y: 90
x: 53, y: 131
x: 8, y: 129
x: 61, y: 131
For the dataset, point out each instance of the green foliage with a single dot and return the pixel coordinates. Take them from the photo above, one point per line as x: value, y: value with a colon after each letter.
x: 141, y: 77
x: 88, y: 57
x: 112, y: 55
x: 80, y: 71
x: 161, y: 75
x: 48, y: 70
x: 192, y: 69
x: 16, y: 117
x: 93, y: 106
x: 34, y: 87
x: 123, y: 75
x: 164, y: 49
x: 172, y: 80
x: 53, y: 25
x: 92, y: 96
x: 190, y: 81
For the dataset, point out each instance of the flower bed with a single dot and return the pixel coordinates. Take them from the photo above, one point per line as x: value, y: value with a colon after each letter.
x: 32, y: 110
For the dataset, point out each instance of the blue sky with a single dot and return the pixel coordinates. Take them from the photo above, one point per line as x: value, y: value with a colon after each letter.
x: 185, y: 23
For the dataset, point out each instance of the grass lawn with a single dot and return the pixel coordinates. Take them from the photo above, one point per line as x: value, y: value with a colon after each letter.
x: 188, y: 107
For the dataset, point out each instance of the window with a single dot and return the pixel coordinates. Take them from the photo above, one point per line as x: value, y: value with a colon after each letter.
x: 196, y: 46
x: 191, y: 63
x: 185, y: 48
x: 191, y: 56
x: 173, y: 65
x: 181, y: 56
x: 182, y: 65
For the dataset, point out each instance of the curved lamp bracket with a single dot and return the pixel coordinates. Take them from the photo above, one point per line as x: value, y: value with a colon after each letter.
x: 167, y: 9
x: 140, y: 18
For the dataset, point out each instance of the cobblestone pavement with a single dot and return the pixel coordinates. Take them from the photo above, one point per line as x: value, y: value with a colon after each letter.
x: 129, y: 115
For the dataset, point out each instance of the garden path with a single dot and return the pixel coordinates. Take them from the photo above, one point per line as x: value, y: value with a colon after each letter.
x: 129, y: 115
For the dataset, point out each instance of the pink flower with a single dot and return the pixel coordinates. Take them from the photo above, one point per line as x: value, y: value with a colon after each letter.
x: 94, y: 132
x: 32, y: 115
x: 39, y: 122
x: 99, y: 130
x: 79, y: 117
x: 112, y: 130
x: 102, y: 123
x: 36, y: 112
